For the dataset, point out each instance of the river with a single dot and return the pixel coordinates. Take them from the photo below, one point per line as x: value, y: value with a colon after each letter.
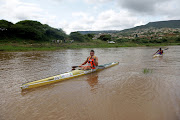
x: 122, y: 92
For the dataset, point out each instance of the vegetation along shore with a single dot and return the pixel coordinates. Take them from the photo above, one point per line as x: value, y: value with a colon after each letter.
x: 31, y: 35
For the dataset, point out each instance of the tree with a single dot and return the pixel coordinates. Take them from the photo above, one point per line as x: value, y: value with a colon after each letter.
x: 105, y: 37
x: 178, y: 39
x: 34, y: 24
x: 30, y: 30
x: 122, y: 40
x: 26, y: 32
x: 136, y: 40
x: 55, y: 34
x: 5, y: 24
x: 5, y: 29
x: 164, y: 40
x: 88, y: 37
x: 76, y: 36
x: 91, y: 35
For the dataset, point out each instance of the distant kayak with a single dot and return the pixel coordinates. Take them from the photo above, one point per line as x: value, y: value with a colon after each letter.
x: 157, y: 55
x: 65, y: 76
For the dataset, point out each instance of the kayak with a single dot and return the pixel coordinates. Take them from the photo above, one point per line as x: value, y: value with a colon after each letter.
x: 157, y: 55
x: 65, y: 76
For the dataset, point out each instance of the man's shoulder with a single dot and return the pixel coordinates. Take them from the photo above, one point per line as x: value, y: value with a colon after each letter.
x: 93, y: 56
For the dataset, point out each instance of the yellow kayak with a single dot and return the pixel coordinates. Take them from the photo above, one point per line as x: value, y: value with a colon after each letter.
x: 65, y: 76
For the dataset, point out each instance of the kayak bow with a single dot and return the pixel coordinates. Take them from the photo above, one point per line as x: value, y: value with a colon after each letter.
x: 157, y: 55
x: 65, y: 76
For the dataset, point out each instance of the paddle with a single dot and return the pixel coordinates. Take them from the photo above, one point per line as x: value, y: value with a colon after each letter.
x: 166, y: 49
x: 73, y: 67
x: 99, y: 67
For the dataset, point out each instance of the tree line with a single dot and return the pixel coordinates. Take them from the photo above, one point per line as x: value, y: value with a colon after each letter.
x: 34, y: 30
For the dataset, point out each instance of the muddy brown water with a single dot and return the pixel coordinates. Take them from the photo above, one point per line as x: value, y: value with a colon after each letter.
x: 122, y: 92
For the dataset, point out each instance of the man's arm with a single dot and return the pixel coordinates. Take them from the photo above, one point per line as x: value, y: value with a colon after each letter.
x: 96, y: 61
x: 156, y: 52
x: 85, y: 62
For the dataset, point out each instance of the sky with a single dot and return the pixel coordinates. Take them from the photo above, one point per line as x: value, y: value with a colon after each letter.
x: 85, y: 15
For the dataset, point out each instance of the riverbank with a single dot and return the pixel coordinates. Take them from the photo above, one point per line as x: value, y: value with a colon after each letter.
x: 45, y: 46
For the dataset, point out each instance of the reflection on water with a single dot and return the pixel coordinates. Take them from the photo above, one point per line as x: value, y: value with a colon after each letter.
x: 122, y: 92
x: 92, y: 80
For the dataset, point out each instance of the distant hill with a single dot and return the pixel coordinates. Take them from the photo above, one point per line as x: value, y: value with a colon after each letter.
x: 158, y: 24
x: 97, y: 32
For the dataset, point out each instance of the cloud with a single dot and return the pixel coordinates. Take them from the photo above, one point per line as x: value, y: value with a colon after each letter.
x: 98, y: 15
x: 97, y: 1
x: 145, y: 7
x: 140, y: 6
x: 169, y: 10
x: 15, y: 11
x: 151, y: 7
x: 107, y: 20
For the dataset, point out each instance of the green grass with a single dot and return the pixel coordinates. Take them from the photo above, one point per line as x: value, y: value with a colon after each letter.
x: 21, y: 48
x: 47, y: 46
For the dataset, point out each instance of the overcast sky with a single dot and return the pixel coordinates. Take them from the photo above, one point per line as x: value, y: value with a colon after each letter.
x: 74, y: 15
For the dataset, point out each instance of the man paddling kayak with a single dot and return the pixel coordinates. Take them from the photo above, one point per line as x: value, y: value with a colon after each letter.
x: 160, y: 52
x: 91, y: 60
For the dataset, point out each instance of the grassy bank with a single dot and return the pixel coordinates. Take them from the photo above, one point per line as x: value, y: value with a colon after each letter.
x: 45, y: 46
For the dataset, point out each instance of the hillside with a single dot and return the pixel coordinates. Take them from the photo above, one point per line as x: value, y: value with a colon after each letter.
x: 97, y: 32
x: 158, y: 24
x: 29, y: 30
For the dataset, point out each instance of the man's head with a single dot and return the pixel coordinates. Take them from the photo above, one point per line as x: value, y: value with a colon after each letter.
x: 92, y: 52
x: 159, y: 48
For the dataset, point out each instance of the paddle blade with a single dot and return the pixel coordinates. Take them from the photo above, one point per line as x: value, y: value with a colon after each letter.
x: 75, y: 66
x: 101, y: 67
